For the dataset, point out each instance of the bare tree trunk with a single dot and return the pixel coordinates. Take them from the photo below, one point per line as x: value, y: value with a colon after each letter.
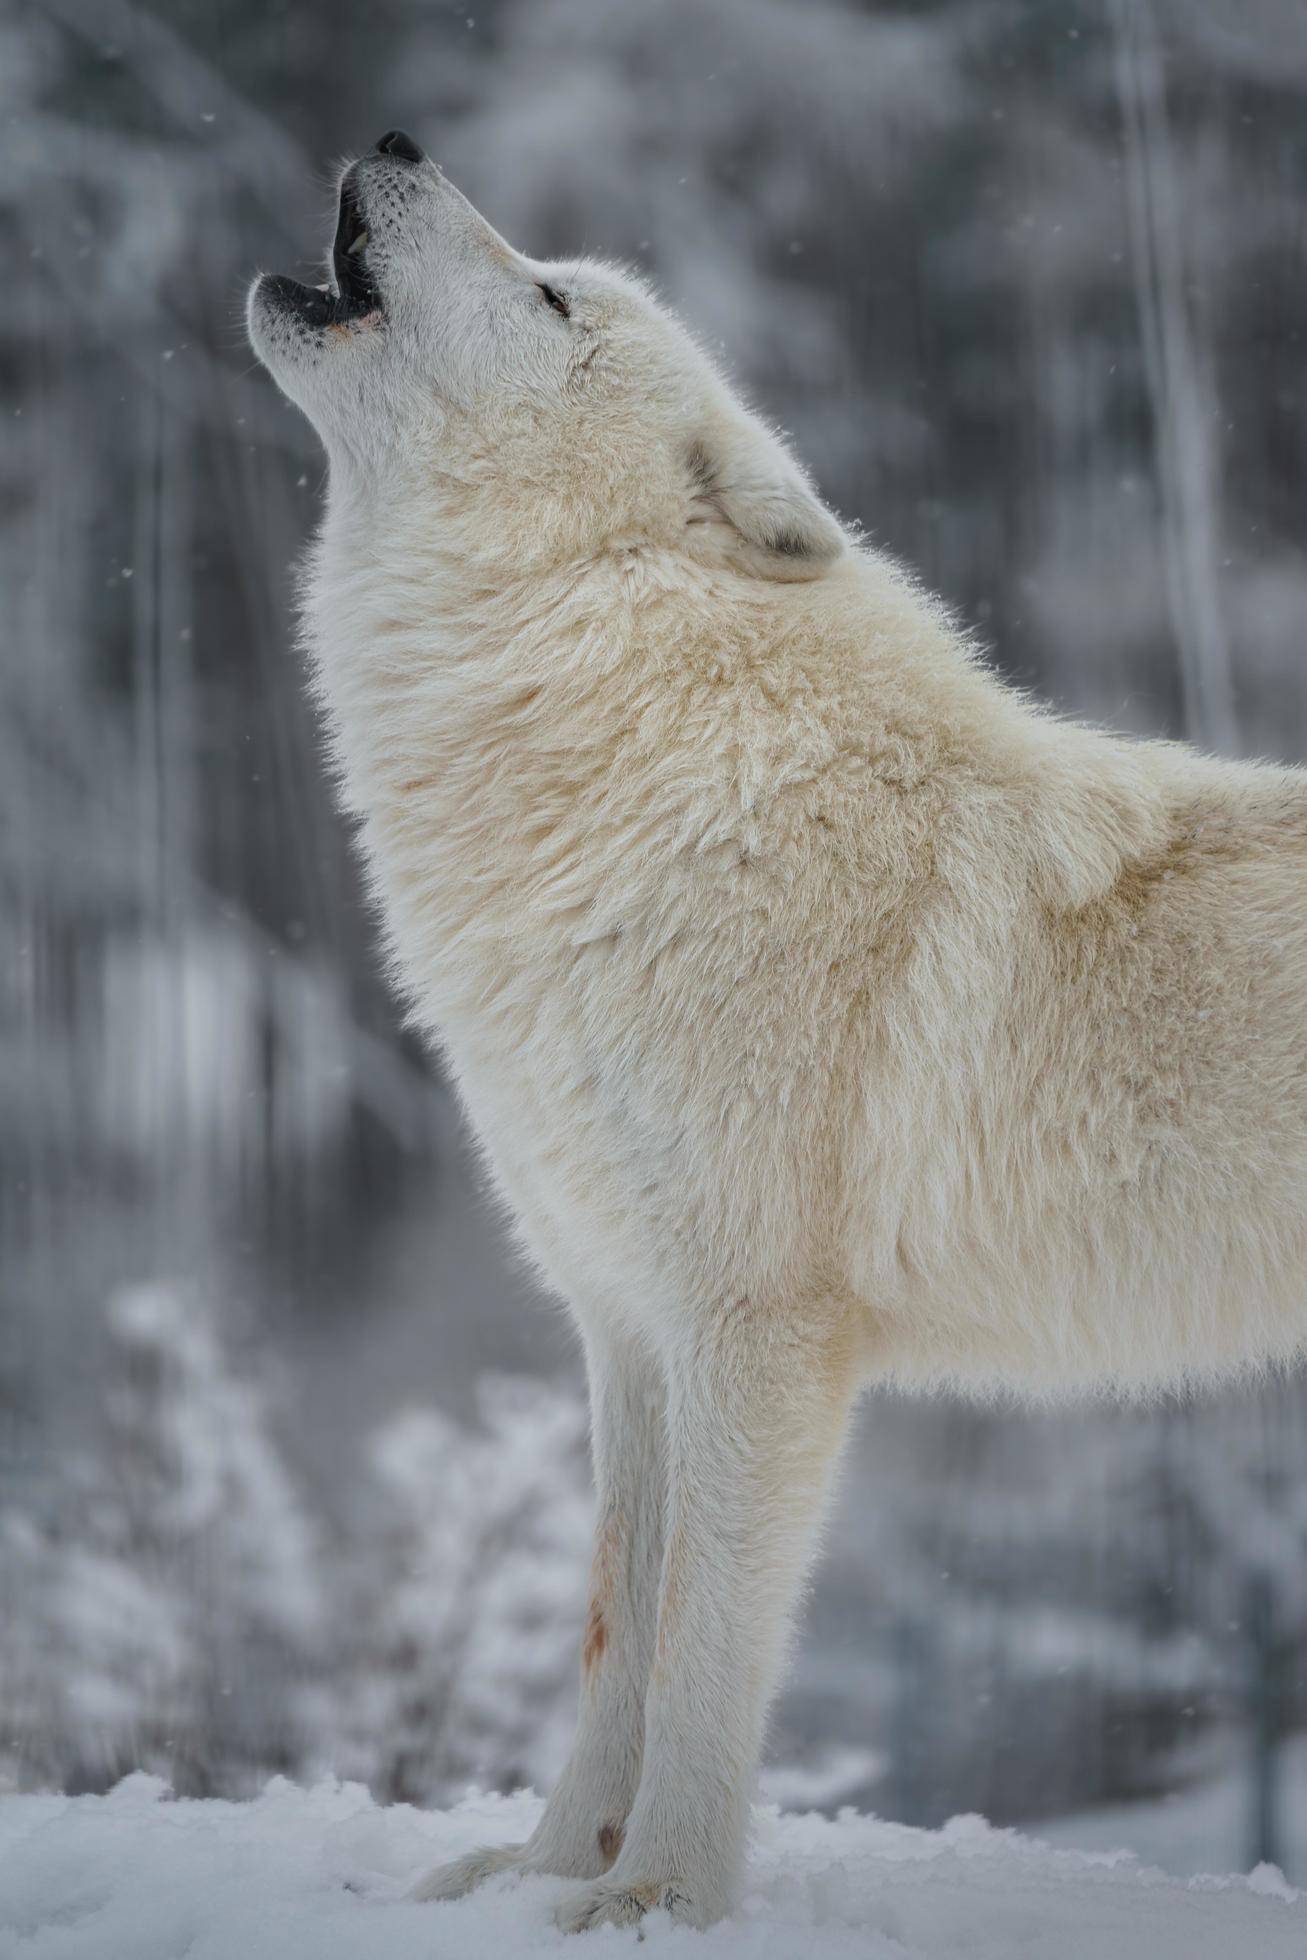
x: 1180, y: 384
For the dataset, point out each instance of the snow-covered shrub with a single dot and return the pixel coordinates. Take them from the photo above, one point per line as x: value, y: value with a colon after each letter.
x: 177, y: 1606
x: 1111, y: 1590
x: 467, y: 1600
x: 164, y: 1609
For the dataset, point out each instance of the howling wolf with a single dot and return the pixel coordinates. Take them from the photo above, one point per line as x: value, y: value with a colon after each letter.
x: 826, y: 1011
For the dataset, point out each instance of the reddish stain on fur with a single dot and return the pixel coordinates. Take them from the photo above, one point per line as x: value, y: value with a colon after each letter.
x: 596, y: 1636
x: 610, y: 1841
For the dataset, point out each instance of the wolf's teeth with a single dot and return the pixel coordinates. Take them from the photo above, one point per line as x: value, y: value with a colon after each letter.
x: 358, y: 244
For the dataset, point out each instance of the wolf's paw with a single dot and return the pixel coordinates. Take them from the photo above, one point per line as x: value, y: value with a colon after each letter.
x: 560, y: 1855
x: 466, y: 1873
x: 617, y: 1902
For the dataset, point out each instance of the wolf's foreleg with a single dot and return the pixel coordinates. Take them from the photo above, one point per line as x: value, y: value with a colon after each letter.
x: 757, y: 1408
x: 583, y: 1824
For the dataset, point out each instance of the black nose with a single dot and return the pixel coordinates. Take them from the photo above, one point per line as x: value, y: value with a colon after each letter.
x: 396, y: 144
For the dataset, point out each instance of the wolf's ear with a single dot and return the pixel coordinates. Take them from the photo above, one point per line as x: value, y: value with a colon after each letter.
x: 754, y: 507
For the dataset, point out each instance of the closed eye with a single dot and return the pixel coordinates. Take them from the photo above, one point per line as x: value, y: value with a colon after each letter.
x: 555, y: 299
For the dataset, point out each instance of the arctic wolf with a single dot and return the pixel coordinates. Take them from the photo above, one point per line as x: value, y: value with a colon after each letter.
x: 826, y: 1011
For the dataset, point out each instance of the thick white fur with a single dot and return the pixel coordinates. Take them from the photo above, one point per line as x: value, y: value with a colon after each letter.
x: 826, y: 1012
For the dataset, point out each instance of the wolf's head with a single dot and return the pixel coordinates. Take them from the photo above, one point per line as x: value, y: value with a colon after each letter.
x: 561, y: 397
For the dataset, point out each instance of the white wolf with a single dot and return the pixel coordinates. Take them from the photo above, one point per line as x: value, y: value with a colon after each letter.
x: 826, y: 1011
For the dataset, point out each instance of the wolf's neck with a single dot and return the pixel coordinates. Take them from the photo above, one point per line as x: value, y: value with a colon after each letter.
x: 473, y: 722
x: 529, y: 755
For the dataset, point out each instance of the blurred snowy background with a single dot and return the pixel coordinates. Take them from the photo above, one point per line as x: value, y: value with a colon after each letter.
x: 292, y: 1465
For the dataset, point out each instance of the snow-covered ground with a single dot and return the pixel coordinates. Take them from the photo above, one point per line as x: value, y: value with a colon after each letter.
x: 321, y: 1874
x: 1200, y: 1829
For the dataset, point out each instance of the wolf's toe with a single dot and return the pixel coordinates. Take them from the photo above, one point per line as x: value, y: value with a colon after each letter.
x: 611, y: 1902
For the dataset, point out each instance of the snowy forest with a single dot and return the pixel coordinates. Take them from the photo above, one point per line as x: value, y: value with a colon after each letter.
x: 293, y: 1470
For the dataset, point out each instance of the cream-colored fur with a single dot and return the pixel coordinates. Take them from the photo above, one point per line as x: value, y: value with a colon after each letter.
x: 826, y: 1011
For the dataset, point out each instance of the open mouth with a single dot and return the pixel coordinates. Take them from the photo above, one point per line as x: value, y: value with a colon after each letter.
x: 354, y: 288
x: 354, y: 294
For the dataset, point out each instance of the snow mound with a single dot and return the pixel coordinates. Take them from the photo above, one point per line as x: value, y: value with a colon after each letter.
x: 322, y: 1874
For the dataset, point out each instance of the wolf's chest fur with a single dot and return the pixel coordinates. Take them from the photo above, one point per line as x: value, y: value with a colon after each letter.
x: 768, y: 955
